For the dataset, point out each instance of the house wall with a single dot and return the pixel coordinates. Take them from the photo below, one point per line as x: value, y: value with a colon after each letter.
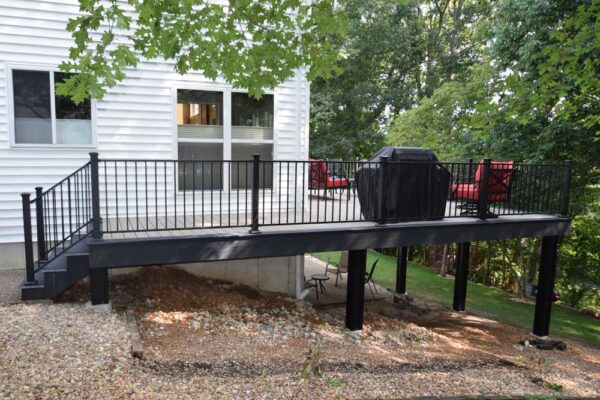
x: 135, y: 120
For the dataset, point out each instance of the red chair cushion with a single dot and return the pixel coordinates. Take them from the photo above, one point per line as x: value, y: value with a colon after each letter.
x: 320, y: 179
x: 470, y: 192
x: 498, y: 183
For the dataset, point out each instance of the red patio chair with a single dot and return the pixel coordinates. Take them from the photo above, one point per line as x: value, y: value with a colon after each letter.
x: 499, y: 184
x: 320, y: 179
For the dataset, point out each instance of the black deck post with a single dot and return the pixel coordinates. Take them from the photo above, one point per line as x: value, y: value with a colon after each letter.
x: 484, y: 183
x: 355, y: 294
x: 383, y: 185
x: 401, y: 264
x: 461, y: 276
x: 255, y: 190
x: 543, y: 302
x: 39, y: 222
x: 566, y: 188
x: 26, y: 202
x: 95, y: 183
x: 99, y: 285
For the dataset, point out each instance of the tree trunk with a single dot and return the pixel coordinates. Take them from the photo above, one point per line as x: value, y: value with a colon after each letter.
x: 444, y: 266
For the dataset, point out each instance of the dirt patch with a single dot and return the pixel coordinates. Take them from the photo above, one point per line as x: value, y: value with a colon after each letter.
x: 262, y: 344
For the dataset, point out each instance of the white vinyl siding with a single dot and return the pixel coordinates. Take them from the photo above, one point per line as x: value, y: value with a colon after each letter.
x: 135, y: 120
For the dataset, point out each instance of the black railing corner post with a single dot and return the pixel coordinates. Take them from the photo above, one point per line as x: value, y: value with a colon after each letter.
x: 39, y: 223
x: 484, y: 183
x: 383, y: 192
x: 26, y: 201
x: 255, y: 190
x: 95, y: 184
x: 566, y: 188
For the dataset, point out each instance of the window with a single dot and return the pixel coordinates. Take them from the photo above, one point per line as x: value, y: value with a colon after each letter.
x: 200, y: 136
x: 252, y: 133
x: 42, y: 117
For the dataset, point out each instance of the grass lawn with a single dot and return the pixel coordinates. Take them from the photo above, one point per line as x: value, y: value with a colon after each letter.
x: 426, y: 284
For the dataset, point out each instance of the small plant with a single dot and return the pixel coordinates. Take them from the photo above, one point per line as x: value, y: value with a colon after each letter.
x: 262, y: 373
x: 554, y: 386
x: 312, y: 365
x: 335, y: 383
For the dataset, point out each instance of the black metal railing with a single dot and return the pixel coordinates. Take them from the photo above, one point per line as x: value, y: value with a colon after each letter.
x: 126, y: 196
x: 62, y: 217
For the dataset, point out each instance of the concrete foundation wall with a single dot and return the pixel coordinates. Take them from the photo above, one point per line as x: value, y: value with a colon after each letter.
x: 277, y: 274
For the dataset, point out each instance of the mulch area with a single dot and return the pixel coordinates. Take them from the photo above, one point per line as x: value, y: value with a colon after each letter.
x: 209, y: 339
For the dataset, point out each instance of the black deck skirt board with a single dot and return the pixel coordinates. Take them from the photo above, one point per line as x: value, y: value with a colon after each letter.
x: 118, y: 253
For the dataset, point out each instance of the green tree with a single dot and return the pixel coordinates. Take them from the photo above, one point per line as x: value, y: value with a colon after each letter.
x: 396, y: 53
x: 251, y: 44
x: 534, y: 97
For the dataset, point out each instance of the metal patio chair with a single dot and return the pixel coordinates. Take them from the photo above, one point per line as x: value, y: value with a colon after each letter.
x: 338, y: 268
x: 369, y: 281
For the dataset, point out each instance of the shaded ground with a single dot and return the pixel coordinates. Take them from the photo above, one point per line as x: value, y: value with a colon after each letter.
x: 498, y: 304
x: 336, y: 294
x: 207, y: 339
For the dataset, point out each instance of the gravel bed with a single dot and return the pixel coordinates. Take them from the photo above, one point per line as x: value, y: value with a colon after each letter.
x: 206, y: 340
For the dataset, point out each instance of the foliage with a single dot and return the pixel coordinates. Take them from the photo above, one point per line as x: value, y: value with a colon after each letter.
x: 396, y: 53
x: 534, y: 97
x: 448, y: 120
x: 251, y: 44
x: 335, y: 383
x: 580, y: 262
x: 312, y: 365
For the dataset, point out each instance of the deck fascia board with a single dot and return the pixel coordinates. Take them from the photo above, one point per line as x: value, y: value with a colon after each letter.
x: 299, y: 239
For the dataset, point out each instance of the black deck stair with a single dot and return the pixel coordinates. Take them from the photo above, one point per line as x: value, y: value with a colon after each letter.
x: 59, y: 274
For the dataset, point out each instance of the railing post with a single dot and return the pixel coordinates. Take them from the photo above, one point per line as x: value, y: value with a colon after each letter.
x: 39, y: 222
x: 566, y: 188
x: 255, y: 189
x: 383, y: 184
x: 482, y: 202
x: 95, y: 183
x: 26, y: 201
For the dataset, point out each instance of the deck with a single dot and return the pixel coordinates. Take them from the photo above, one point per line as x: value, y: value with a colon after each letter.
x: 127, y: 213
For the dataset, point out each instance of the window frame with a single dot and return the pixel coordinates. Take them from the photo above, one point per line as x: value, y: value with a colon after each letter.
x: 50, y: 69
x: 227, y: 140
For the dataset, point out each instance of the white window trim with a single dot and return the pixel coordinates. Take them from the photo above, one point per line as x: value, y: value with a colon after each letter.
x: 11, y: 113
x: 227, y: 140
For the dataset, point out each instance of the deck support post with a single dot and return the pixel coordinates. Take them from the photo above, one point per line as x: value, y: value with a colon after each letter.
x: 543, y: 302
x: 99, y: 286
x: 401, y: 264
x: 355, y: 294
x: 461, y: 276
